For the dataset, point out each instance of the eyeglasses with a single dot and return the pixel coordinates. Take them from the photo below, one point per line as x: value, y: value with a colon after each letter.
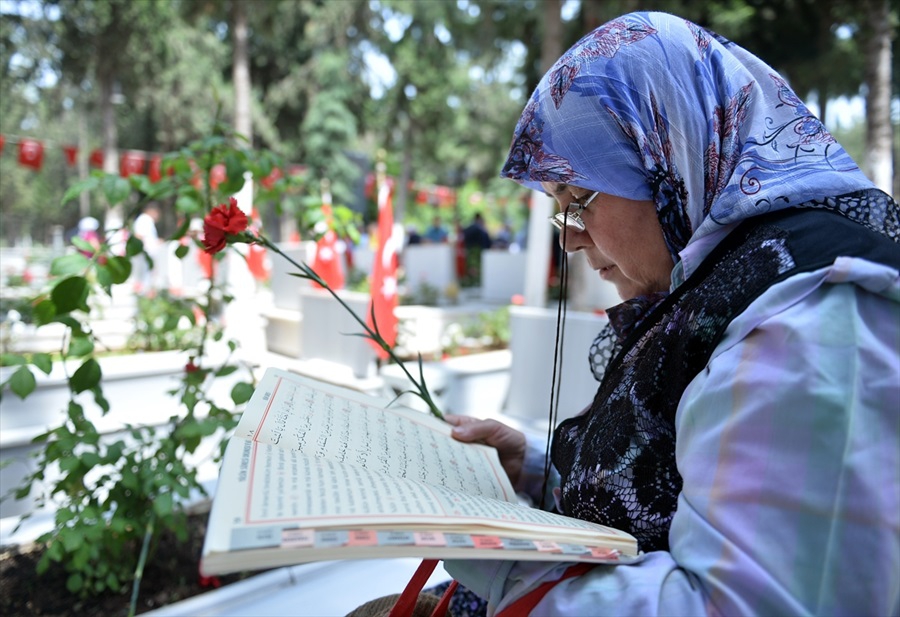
x: 572, y: 218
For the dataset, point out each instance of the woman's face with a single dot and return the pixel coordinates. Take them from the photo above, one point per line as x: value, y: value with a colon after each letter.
x: 622, y: 240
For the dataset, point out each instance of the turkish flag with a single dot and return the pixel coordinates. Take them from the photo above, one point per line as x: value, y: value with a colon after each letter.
x: 327, y: 260
x: 384, y: 274
x: 131, y: 163
x: 31, y: 153
x: 71, y: 155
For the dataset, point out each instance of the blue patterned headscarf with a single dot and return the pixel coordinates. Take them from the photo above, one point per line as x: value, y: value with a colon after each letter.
x: 652, y: 107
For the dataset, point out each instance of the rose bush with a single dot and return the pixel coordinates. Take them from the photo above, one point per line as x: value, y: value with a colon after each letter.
x: 113, y: 495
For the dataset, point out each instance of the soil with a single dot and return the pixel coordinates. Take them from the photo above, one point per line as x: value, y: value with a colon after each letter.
x: 172, y: 575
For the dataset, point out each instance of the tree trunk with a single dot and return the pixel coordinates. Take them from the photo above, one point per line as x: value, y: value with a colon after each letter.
x: 551, y: 46
x: 400, y: 191
x: 115, y: 214
x: 84, y: 199
x: 539, y: 236
x: 241, y: 72
x: 878, y: 160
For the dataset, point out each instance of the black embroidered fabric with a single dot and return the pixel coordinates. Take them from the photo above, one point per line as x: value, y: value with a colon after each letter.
x: 617, y: 461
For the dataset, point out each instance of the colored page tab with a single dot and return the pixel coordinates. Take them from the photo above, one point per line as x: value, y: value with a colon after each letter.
x: 573, y: 549
x: 547, y: 547
x: 487, y: 542
x: 396, y: 538
x: 517, y: 544
x: 328, y: 539
x: 297, y: 538
x: 361, y: 537
x: 459, y: 540
x: 604, y: 553
x: 429, y: 538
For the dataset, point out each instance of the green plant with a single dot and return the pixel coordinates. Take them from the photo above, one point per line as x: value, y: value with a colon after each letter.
x: 164, y: 322
x: 112, y: 497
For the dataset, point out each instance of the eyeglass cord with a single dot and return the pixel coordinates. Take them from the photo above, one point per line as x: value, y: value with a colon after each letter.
x: 556, y: 379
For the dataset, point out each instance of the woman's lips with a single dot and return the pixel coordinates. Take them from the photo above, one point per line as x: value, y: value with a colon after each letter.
x: 606, y: 271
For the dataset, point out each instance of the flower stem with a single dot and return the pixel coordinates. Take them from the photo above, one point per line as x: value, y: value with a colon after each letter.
x: 310, y: 274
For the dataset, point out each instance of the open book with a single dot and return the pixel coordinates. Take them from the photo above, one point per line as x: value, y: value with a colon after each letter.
x: 319, y: 472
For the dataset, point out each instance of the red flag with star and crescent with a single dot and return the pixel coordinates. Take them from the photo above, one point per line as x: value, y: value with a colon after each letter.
x: 327, y: 260
x: 384, y: 274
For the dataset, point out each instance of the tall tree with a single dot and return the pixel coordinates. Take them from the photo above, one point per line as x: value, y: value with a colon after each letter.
x: 112, y: 46
x: 877, y: 35
x: 241, y: 70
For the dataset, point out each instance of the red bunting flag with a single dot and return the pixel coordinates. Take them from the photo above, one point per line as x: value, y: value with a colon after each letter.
x: 71, y: 155
x: 31, y: 153
x: 384, y: 274
x: 96, y: 158
x: 131, y: 163
x: 155, y: 168
x: 327, y: 260
x: 2, y: 143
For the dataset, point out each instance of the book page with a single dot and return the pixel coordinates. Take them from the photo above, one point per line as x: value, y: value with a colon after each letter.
x: 274, y: 488
x: 329, y: 422
x: 324, y: 464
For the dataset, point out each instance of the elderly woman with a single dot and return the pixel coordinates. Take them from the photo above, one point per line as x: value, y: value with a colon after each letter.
x: 745, y: 429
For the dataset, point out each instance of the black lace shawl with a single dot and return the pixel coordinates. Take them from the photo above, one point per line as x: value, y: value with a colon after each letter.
x: 617, y: 461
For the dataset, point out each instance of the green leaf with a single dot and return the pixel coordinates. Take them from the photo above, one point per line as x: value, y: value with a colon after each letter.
x: 115, y: 188
x: 86, y: 377
x: 70, y: 294
x: 43, y: 362
x: 182, y: 251
x: 163, y: 505
x: 226, y: 370
x: 80, y: 346
x: 75, y: 583
x: 12, y: 359
x: 119, y: 269
x: 188, y: 204
x: 88, y: 184
x: 133, y: 246
x: 141, y: 183
x: 71, y: 539
x: 44, y: 312
x: 76, y: 263
x: 241, y: 393
x: 82, y: 244
x: 22, y: 382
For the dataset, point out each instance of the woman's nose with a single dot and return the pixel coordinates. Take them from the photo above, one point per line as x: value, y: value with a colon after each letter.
x: 571, y: 240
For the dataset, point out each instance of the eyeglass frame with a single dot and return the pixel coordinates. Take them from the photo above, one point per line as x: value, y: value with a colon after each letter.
x: 572, y: 219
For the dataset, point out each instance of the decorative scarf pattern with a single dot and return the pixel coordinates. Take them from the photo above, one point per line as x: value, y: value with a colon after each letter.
x: 652, y: 107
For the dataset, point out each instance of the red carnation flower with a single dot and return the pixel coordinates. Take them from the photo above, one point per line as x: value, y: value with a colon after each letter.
x: 221, y: 222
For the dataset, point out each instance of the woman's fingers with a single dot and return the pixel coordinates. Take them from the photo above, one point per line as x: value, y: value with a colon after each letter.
x: 509, y: 443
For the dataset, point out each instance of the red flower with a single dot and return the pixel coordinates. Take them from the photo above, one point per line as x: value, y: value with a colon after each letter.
x: 190, y: 367
x: 221, y: 222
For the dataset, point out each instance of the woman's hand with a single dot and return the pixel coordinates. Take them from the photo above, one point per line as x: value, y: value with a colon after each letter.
x: 509, y: 443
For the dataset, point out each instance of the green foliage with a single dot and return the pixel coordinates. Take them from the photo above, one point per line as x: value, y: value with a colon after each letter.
x: 164, y: 322
x: 111, y: 492
x: 486, y: 331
